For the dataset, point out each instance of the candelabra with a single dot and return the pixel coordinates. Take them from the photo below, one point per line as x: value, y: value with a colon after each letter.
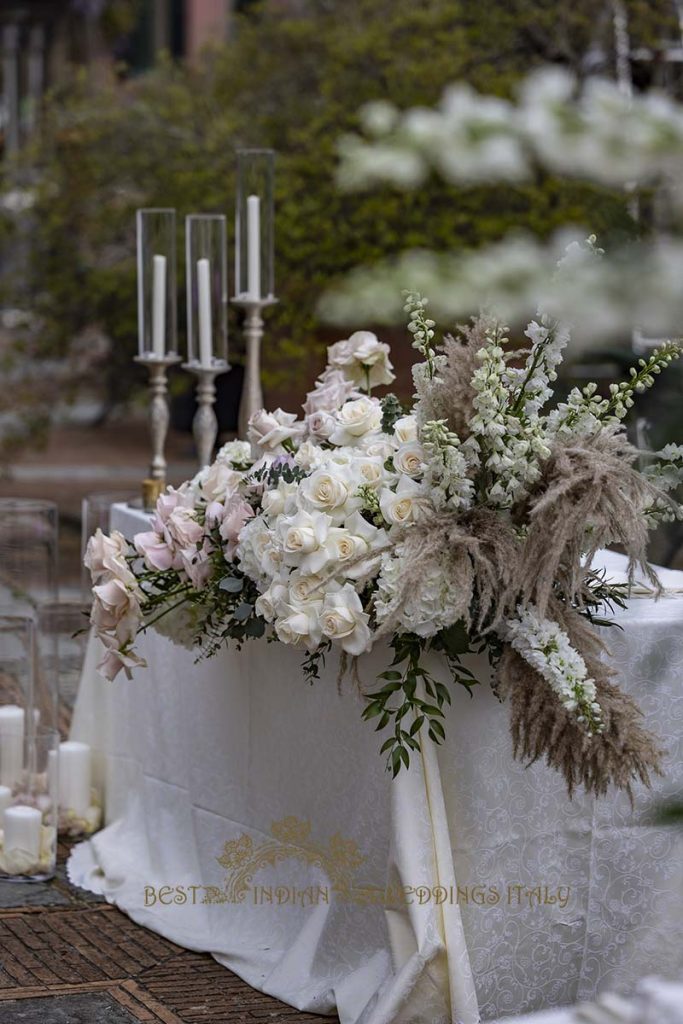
x: 252, y: 394
x: 205, y: 424
x: 158, y: 409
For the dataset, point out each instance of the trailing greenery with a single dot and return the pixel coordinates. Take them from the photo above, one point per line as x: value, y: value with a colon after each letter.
x: 293, y: 83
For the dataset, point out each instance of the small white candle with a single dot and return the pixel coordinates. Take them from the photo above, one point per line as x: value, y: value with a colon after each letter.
x: 74, y: 777
x: 254, y: 247
x: 22, y: 830
x: 159, y: 306
x: 5, y: 799
x: 204, y: 312
x: 11, y: 743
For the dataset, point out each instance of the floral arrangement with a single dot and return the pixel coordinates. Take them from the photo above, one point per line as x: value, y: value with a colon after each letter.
x: 468, y: 523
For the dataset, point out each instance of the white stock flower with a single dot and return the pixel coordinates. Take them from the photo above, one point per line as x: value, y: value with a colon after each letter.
x: 401, y: 507
x: 363, y: 359
x: 344, y: 622
x: 356, y: 420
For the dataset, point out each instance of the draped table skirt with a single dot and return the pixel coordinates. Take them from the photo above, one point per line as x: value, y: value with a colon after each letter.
x: 249, y: 815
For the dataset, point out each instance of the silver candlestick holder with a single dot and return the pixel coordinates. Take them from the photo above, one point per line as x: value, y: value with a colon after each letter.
x: 205, y: 424
x: 158, y: 408
x: 252, y: 393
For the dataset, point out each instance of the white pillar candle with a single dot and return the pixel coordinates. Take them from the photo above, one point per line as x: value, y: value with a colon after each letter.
x: 74, y: 777
x: 254, y: 247
x: 22, y: 830
x: 11, y: 743
x: 159, y: 306
x: 204, y: 312
x: 5, y: 799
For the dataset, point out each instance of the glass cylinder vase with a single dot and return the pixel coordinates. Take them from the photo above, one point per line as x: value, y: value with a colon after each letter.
x: 29, y: 690
x: 254, y: 226
x: 29, y: 810
x: 157, y: 306
x: 28, y: 554
x: 207, y: 290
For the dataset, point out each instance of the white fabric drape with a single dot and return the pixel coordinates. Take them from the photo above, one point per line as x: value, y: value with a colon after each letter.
x: 194, y: 756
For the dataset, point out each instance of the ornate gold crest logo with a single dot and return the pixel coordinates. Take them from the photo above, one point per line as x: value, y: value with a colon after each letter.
x: 291, y: 839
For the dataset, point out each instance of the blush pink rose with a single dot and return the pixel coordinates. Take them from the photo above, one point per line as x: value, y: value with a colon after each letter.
x: 237, y: 512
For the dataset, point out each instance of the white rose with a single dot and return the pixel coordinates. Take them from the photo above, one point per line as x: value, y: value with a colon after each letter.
x: 302, y: 540
x: 105, y: 555
x: 400, y: 507
x: 270, y: 602
x: 344, y: 622
x: 410, y: 459
x: 304, y: 588
x: 371, y: 470
x: 363, y: 359
x: 219, y: 482
x: 331, y: 391
x: 320, y: 424
x: 300, y: 625
x: 343, y: 546
x: 405, y: 429
x: 282, y: 499
x: 116, y: 610
x: 372, y: 539
x: 355, y: 420
x: 268, y: 430
x: 378, y: 446
x: 309, y: 455
x: 325, y: 490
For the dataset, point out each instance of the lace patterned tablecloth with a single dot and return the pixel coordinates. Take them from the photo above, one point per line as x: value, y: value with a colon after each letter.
x: 519, y: 899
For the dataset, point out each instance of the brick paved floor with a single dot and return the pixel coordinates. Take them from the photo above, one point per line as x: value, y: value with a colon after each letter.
x: 67, y: 957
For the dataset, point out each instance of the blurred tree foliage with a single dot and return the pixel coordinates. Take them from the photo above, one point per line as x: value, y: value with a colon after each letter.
x: 293, y: 81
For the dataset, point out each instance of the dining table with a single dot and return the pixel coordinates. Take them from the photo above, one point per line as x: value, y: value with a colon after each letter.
x: 249, y: 814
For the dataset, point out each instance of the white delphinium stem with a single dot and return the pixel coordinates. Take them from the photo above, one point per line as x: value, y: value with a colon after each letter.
x: 445, y: 479
x: 421, y: 328
x: 546, y: 647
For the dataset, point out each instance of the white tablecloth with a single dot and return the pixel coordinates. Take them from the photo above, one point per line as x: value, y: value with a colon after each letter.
x: 196, y: 756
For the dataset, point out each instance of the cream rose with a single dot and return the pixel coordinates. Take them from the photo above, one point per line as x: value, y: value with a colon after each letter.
x: 107, y: 554
x: 405, y: 429
x: 409, y: 459
x: 363, y: 359
x: 269, y: 430
x: 326, y: 491
x: 344, y: 622
x: 356, y: 420
x: 300, y: 625
x: 302, y: 540
x: 400, y: 507
x: 219, y: 482
x: 270, y: 602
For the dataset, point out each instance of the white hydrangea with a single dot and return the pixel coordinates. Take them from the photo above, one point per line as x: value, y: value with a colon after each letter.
x: 431, y: 604
x: 546, y: 647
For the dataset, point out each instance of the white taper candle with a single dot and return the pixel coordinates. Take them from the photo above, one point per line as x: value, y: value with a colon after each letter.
x: 159, y: 306
x: 22, y: 827
x: 204, y: 312
x: 254, y: 247
x: 12, y: 724
x: 74, y: 777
